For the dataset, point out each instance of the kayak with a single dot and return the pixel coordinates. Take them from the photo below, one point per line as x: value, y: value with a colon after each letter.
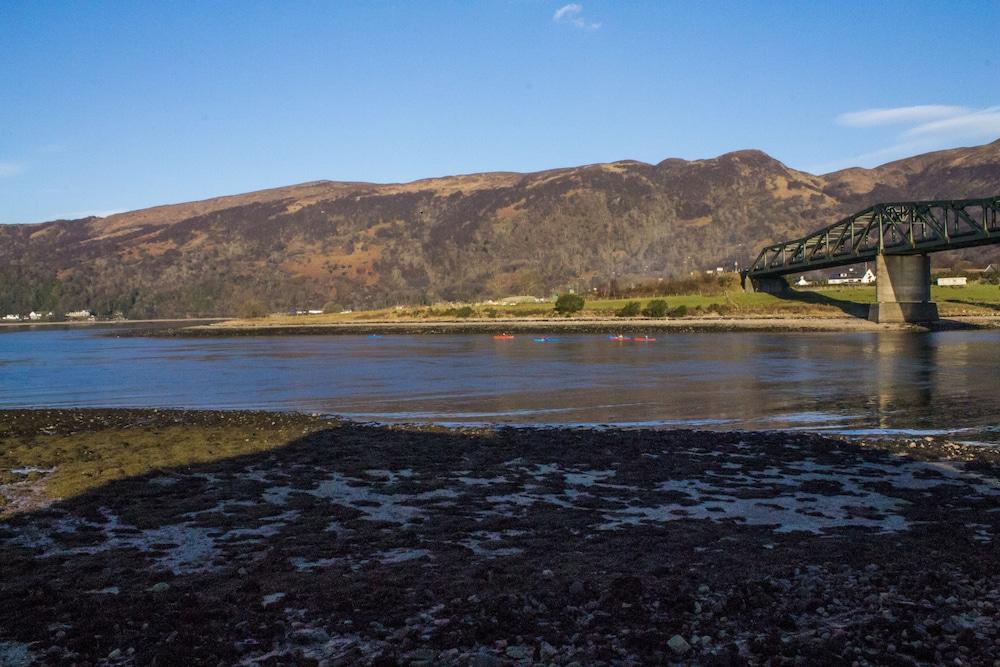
x: 644, y: 339
x: 545, y: 340
x: 618, y: 337
x: 503, y: 337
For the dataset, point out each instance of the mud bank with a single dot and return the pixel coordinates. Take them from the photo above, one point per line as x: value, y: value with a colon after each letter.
x: 562, y: 326
x: 256, y: 538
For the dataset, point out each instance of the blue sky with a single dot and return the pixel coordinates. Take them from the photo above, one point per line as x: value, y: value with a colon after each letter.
x: 121, y: 105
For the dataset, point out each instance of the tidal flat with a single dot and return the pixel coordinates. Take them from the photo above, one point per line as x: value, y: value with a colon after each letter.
x: 216, y: 537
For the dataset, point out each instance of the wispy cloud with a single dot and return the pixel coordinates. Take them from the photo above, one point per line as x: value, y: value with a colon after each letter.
x: 926, y: 127
x: 972, y: 124
x: 10, y: 169
x: 912, y: 114
x: 572, y: 14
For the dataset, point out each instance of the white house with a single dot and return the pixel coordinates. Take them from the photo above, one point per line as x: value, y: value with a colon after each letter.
x: 957, y: 281
x: 850, y: 276
x: 12, y: 317
x: 802, y: 282
x: 525, y: 298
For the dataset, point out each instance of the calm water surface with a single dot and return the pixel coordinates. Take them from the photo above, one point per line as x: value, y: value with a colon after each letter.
x: 895, y: 382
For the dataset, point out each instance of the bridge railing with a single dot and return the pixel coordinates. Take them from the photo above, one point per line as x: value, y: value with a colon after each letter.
x: 892, y: 228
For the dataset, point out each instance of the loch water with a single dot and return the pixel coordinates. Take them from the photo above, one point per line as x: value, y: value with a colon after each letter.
x: 903, y: 383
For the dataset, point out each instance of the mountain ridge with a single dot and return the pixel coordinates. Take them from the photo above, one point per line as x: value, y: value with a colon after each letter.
x: 468, y: 236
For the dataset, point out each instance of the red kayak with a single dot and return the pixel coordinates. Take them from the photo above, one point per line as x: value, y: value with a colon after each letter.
x: 503, y: 337
x: 644, y: 339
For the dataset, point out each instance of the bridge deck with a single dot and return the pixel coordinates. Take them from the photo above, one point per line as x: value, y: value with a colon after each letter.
x: 901, y: 228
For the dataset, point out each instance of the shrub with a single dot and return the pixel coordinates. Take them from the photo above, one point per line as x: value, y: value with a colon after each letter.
x: 679, y: 311
x: 464, y: 311
x: 720, y: 308
x: 655, y: 308
x: 569, y: 303
x: 630, y: 309
x: 251, y: 308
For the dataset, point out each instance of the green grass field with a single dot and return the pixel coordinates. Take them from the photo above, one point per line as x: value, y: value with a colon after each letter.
x: 975, y: 299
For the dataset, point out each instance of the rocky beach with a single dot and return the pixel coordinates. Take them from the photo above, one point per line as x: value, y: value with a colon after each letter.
x: 167, y: 537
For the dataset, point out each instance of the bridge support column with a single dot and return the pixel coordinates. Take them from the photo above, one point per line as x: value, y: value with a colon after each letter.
x: 903, y: 289
x: 775, y: 285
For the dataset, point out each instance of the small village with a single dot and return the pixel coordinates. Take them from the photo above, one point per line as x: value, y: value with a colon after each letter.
x: 50, y: 316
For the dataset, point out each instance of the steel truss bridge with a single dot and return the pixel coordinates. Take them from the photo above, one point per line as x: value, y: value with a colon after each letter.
x: 899, y: 228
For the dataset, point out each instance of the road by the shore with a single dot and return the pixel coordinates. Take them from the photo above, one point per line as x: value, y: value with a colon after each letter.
x: 264, y: 538
x: 68, y: 324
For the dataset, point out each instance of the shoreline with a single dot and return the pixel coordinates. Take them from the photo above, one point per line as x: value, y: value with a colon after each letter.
x: 570, y: 326
x: 201, y: 537
x: 190, y: 321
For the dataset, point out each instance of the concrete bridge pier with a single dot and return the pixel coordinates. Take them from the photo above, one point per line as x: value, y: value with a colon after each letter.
x: 903, y: 289
x: 773, y: 285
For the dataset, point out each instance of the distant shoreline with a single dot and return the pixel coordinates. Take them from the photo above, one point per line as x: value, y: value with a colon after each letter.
x: 104, y: 323
x: 216, y: 327
x: 566, y: 326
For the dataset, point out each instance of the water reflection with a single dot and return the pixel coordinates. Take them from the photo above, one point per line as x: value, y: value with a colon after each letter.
x: 840, y: 382
x: 904, y: 376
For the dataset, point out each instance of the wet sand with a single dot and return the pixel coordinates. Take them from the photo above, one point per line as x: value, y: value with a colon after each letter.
x: 276, y: 539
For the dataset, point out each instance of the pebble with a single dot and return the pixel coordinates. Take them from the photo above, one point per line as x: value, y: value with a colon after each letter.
x: 519, y: 652
x: 678, y: 645
x: 159, y: 587
x: 423, y: 655
x: 484, y: 660
x: 310, y: 636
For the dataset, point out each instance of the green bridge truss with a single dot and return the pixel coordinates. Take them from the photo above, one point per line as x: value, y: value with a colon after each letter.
x: 902, y: 228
